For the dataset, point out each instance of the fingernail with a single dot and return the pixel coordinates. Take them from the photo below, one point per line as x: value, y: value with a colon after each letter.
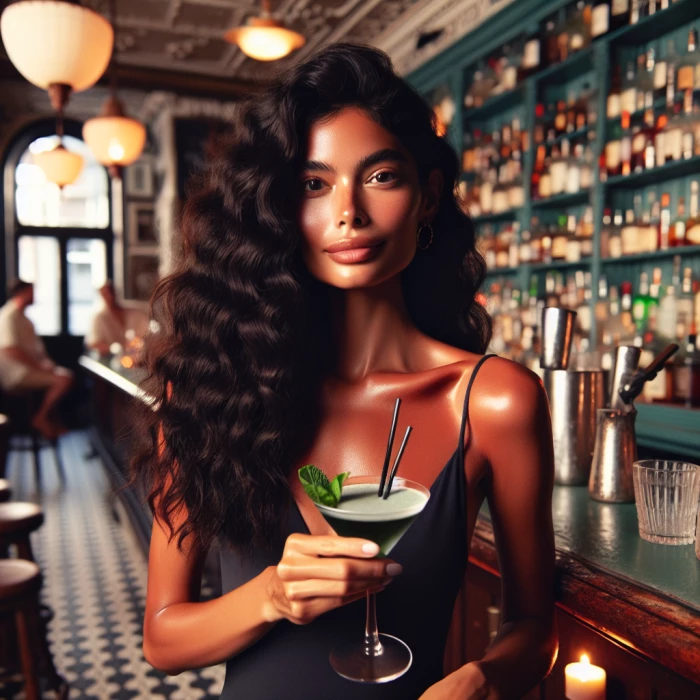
x: 370, y: 548
x: 394, y: 569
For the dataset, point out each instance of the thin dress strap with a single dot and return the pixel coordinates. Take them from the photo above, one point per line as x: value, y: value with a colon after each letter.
x: 465, y: 412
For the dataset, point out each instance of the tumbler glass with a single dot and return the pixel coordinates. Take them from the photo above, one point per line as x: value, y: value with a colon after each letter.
x: 666, y: 493
x: 697, y: 538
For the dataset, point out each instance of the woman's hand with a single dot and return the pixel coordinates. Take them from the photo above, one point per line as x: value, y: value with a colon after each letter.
x: 466, y: 683
x: 319, y: 573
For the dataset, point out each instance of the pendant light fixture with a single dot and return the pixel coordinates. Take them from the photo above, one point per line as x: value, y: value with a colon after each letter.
x: 115, y: 139
x: 264, y: 38
x: 58, y: 46
x: 59, y: 165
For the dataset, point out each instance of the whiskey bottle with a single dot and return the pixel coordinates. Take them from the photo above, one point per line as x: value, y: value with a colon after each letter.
x: 692, y: 225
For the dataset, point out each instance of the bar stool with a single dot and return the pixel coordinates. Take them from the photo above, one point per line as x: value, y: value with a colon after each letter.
x: 17, y: 521
x: 20, y: 582
x: 4, y: 443
x: 20, y: 409
x: 5, y: 490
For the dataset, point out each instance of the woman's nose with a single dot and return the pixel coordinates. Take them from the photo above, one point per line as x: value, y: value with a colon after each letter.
x: 349, y: 211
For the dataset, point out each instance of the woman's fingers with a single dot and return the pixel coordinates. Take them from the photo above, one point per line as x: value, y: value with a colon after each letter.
x: 324, y: 588
x: 296, y: 568
x: 331, y: 546
x: 306, y: 611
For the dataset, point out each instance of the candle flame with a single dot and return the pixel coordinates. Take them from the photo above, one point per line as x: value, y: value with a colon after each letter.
x: 585, y: 659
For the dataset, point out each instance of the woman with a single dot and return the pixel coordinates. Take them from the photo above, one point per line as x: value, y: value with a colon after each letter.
x: 278, y: 350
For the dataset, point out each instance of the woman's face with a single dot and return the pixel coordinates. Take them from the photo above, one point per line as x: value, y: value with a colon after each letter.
x: 361, y: 202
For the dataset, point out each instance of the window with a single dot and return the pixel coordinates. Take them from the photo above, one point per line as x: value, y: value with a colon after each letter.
x: 59, y: 239
x: 87, y: 272
x: 39, y: 262
x: 84, y: 204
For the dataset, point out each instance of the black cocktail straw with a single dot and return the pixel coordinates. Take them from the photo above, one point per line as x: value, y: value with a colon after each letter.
x: 389, y: 447
x: 395, y: 468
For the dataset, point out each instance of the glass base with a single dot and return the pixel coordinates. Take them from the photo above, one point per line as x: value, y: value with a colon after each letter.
x: 350, y: 661
x: 665, y: 539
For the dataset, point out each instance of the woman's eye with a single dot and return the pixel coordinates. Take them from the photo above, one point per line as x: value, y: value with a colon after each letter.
x: 313, y: 185
x: 384, y: 177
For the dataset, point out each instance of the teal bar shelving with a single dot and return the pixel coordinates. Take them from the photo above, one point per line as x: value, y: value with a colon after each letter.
x: 661, y: 426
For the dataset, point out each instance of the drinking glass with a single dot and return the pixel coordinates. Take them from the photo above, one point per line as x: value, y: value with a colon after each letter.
x: 666, y: 493
x: 378, y: 658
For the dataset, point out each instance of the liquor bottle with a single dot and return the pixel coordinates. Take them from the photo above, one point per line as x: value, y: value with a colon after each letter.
x: 560, y: 237
x: 615, y: 247
x: 652, y: 229
x: 684, y: 306
x: 619, y: 13
x: 628, y: 94
x: 660, y: 77
x: 614, y: 104
x: 635, y: 11
x: 687, y: 376
x: 560, y: 118
x: 677, y: 232
x: 551, y: 39
x: 531, y: 60
x: 600, y: 18
x: 668, y: 315
x: 641, y: 303
x: 664, y: 227
x: 573, y: 240
x: 689, y: 63
x: 692, y: 226
x: 580, y: 27
x: 625, y: 145
x: 613, y: 155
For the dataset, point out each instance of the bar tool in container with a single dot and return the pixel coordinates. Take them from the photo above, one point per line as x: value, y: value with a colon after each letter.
x: 574, y: 397
x: 611, y: 477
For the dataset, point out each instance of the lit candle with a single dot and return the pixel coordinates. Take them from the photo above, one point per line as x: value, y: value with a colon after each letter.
x: 584, y: 681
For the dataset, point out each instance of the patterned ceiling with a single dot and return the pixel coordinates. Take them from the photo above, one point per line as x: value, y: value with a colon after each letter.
x: 186, y: 35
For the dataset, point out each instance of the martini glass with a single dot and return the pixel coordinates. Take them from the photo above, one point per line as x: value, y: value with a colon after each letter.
x: 378, y: 658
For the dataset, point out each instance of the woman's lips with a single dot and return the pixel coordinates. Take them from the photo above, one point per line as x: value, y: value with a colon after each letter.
x: 356, y: 255
x: 355, y: 250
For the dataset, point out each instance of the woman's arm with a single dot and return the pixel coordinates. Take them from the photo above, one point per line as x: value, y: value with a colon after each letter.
x: 511, y: 426
x: 181, y: 633
x: 517, y: 442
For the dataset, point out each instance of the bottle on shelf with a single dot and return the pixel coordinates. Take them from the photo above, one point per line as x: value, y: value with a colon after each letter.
x: 614, y: 101
x: 628, y: 90
x: 677, y: 231
x: 689, y: 64
x: 692, y: 225
x: 600, y: 18
x: 664, y: 228
x: 686, y: 384
x: 619, y: 13
x: 684, y: 305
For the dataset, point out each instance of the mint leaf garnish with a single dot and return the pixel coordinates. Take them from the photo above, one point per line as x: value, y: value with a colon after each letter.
x: 319, y: 488
x: 337, y: 485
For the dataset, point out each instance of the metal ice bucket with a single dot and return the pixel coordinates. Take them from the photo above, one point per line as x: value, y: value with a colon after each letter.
x: 613, y: 457
x: 574, y: 398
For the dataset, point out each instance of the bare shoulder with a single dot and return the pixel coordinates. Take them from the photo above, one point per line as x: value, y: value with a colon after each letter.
x: 508, y: 396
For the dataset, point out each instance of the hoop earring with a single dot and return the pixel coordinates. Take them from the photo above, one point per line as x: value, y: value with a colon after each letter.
x: 421, y: 230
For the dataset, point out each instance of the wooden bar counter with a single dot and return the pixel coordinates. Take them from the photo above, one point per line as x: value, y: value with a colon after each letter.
x: 632, y: 606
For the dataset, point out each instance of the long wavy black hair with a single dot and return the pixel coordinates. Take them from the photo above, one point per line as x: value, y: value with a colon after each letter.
x: 244, y: 342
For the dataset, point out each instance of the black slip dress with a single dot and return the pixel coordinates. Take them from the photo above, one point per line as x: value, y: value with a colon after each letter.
x: 291, y: 661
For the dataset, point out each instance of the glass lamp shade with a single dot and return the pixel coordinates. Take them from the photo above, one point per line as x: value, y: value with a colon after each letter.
x: 116, y: 140
x: 60, y: 166
x: 57, y: 43
x: 265, y: 39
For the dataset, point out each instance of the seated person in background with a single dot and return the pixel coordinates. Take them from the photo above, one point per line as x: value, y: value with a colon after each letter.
x: 24, y: 363
x: 108, y: 324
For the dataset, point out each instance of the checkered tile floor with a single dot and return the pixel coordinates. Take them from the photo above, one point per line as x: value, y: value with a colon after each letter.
x: 95, y: 582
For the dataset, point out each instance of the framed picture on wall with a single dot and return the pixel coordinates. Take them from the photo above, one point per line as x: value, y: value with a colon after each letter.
x: 142, y: 224
x: 138, y: 178
x: 141, y: 275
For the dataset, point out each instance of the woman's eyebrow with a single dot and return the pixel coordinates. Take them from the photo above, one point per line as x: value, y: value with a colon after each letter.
x: 385, y: 154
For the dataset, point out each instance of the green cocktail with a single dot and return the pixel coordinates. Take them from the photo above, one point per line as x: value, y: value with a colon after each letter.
x: 361, y: 513
x: 379, y: 658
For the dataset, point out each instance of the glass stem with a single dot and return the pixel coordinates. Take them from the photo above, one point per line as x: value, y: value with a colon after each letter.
x: 373, y: 647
